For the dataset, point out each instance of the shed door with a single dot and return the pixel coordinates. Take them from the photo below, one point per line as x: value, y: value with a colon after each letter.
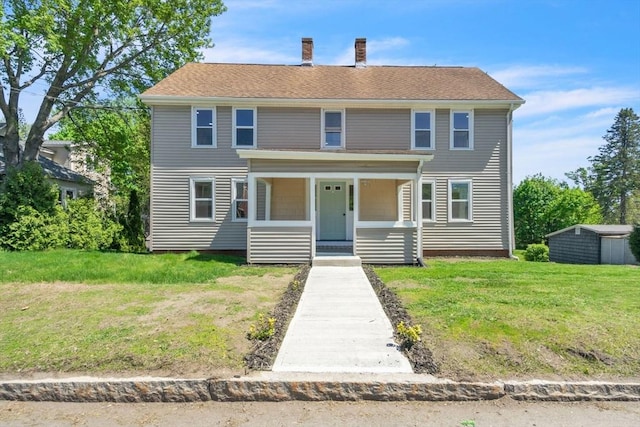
x: 612, y: 251
x: 332, y: 201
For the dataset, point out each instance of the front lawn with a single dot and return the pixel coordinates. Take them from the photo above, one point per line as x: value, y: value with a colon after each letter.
x: 92, y: 312
x: 503, y: 318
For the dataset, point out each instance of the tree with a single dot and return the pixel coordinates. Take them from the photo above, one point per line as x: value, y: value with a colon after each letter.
x: 531, y: 199
x: 80, y: 48
x: 543, y: 205
x: 634, y: 242
x: 614, y: 175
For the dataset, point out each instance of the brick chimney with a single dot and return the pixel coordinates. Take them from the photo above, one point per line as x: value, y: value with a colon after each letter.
x: 307, y: 51
x: 361, y: 53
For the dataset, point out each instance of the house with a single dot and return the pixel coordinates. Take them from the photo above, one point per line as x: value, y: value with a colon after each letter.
x: 71, y: 184
x: 286, y: 162
x: 591, y: 244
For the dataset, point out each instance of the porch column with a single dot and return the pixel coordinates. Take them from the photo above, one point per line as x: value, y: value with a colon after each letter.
x: 312, y: 213
x: 356, y: 213
x: 417, y: 209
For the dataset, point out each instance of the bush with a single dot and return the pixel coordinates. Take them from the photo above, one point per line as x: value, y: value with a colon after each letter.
x: 634, y: 242
x: 537, y: 252
x: 89, y: 227
x: 33, y: 230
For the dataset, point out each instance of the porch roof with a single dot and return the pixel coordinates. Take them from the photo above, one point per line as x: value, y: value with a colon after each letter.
x: 335, y: 155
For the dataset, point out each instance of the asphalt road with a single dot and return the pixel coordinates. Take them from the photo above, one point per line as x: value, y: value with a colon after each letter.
x: 503, y: 412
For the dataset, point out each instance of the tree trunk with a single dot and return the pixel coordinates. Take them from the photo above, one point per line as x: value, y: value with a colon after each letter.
x: 623, y: 208
x: 11, y: 143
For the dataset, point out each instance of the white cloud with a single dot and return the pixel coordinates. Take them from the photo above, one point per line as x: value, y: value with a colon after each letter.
x: 245, y: 51
x: 527, y: 76
x: 545, y: 102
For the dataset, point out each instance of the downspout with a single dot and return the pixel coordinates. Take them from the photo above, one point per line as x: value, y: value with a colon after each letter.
x: 418, y: 216
x: 511, y: 231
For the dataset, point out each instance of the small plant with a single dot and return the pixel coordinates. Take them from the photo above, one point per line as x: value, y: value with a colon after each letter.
x: 468, y: 423
x: 263, y: 330
x: 409, y: 334
x: 537, y: 252
x: 295, y: 285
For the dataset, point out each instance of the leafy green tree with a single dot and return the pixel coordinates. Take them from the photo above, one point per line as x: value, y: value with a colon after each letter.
x: 634, y: 242
x: 614, y: 175
x: 77, y: 48
x: 543, y: 205
x: 25, y: 187
x: 531, y: 200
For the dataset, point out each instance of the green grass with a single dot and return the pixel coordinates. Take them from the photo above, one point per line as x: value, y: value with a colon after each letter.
x: 503, y: 317
x: 179, y: 314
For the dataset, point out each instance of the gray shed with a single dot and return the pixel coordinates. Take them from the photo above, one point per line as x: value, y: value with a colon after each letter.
x: 591, y: 244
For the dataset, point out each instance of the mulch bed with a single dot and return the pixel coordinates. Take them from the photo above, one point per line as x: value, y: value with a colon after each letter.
x: 264, y: 353
x: 419, y: 356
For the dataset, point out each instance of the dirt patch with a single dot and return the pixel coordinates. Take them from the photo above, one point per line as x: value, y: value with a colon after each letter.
x: 592, y: 356
x: 263, y: 353
x: 419, y: 355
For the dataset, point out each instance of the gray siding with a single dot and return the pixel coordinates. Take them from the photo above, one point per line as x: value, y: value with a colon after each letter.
x: 174, y: 161
x: 571, y: 248
x: 486, y: 166
x: 308, y: 166
x: 386, y: 246
x: 368, y: 129
x: 279, y: 245
x: 289, y: 128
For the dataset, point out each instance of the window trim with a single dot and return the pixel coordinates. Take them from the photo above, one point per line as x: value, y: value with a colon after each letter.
x: 192, y: 199
x: 453, y: 129
x: 450, y: 183
x: 62, y: 195
x: 343, y: 133
x: 433, y: 200
x: 234, y: 199
x: 431, y: 129
x: 235, y: 127
x: 194, y: 127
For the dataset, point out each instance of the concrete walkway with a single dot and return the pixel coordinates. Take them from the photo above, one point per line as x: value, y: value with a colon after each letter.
x: 339, y: 326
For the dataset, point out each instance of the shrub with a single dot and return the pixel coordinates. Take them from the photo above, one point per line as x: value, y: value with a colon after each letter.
x: 537, y: 252
x: 410, y: 334
x: 89, y: 227
x: 33, y: 230
x: 264, y: 330
x: 634, y: 242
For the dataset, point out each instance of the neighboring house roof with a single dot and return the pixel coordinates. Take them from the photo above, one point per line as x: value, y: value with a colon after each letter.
x: 600, y: 229
x: 52, y: 170
x: 381, y: 83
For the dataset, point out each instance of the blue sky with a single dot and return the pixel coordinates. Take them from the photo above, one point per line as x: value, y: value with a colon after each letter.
x: 575, y: 62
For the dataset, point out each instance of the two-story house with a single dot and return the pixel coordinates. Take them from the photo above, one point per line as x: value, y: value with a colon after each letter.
x: 285, y: 162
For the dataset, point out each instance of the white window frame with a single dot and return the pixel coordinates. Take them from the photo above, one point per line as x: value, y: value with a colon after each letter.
x: 453, y: 129
x: 194, y: 127
x: 469, y: 182
x: 234, y: 135
x: 192, y: 199
x: 234, y: 199
x: 343, y: 133
x: 433, y: 200
x: 431, y: 129
x: 63, y: 194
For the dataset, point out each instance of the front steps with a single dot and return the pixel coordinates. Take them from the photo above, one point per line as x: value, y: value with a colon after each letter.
x: 336, y: 260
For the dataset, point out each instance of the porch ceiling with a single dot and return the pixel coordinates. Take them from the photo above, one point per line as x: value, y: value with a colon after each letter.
x: 348, y: 155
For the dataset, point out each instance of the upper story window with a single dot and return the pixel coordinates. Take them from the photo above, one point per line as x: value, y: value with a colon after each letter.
x: 422, y: 134
x: 333, y: 129
x: 202, y: 197
x: 244, y: 127
x: 460, y: 208
x: 428, y: 201
x: 461, y: 130
x: 203, y: 127
x: 240, y: 199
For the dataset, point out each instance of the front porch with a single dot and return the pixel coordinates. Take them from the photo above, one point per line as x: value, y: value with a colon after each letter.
x: 312, y: 207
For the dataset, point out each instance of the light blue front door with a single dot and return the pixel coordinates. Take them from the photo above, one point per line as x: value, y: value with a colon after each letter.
x: 332, y: 201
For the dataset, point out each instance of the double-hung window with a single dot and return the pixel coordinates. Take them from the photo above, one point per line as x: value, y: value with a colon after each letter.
x: 460, y: 197
x: 333, y: 128
x: 240, y: 199
x: 428, y: 201
x: 203, y: 207
x: 461, y: 130
x: 203, y: 133
x: 244, y: 127
x: 422, y: 134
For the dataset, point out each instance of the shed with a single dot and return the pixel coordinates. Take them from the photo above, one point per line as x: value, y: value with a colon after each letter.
x: 591, y: 244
